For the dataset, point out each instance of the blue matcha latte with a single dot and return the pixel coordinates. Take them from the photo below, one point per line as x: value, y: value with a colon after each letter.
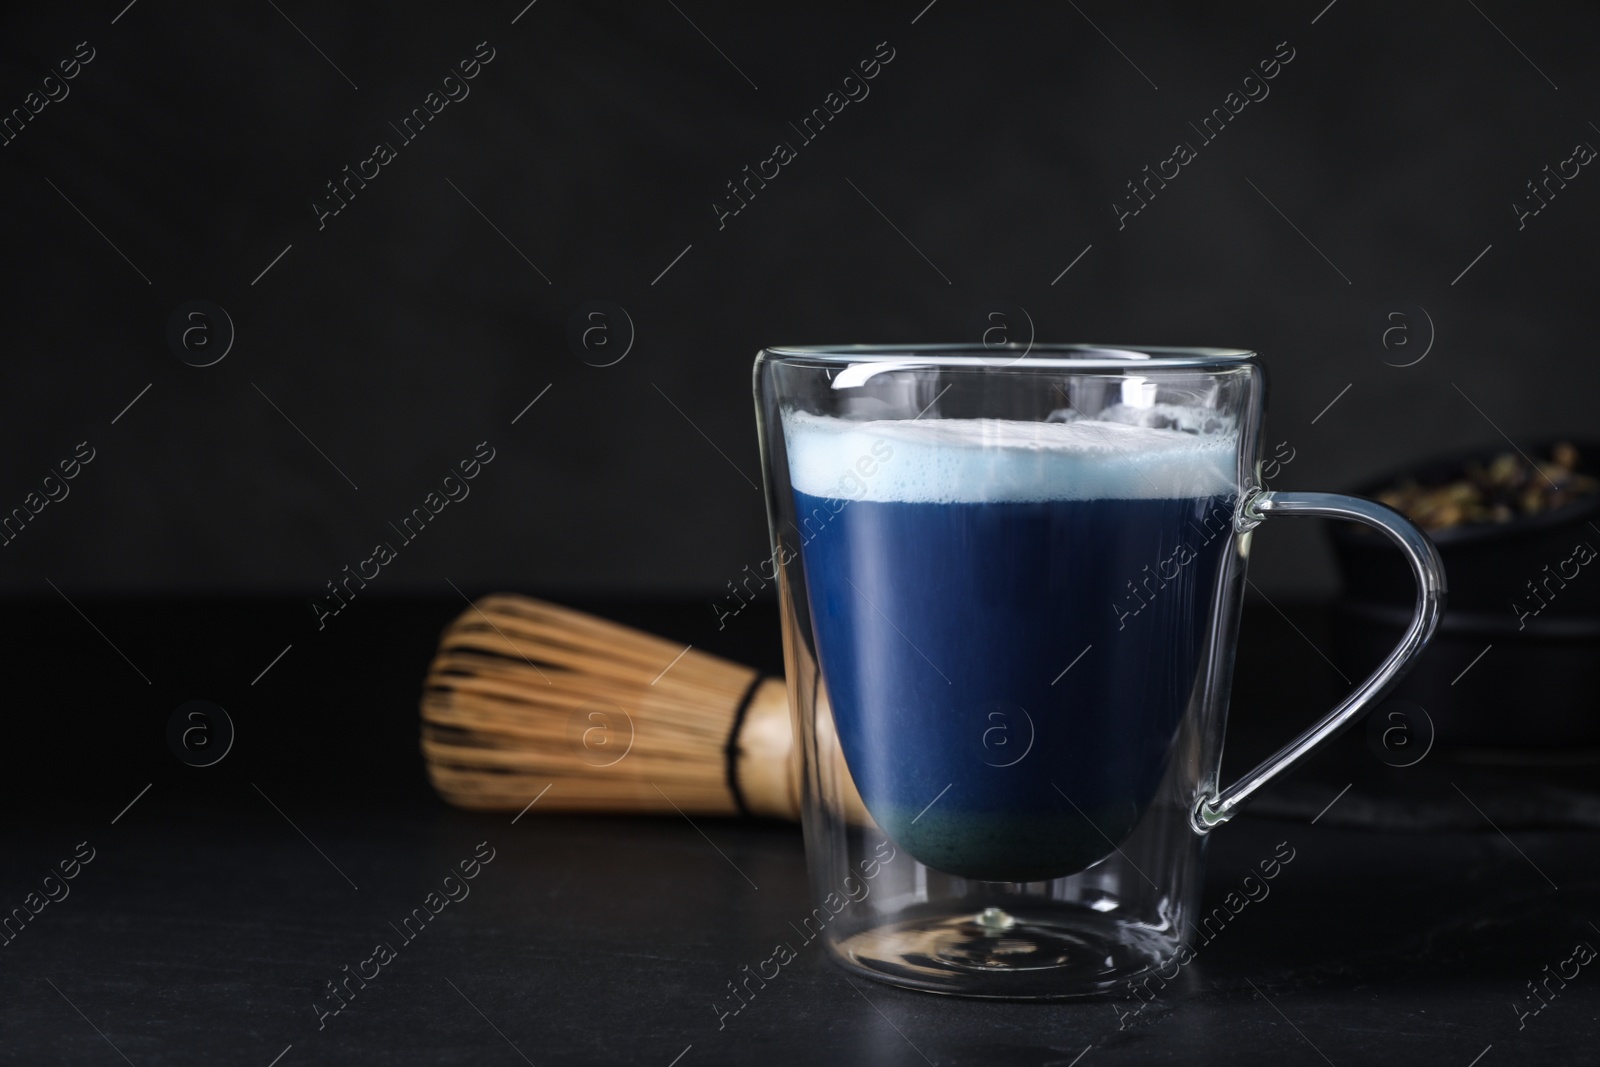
x: 956, y: 573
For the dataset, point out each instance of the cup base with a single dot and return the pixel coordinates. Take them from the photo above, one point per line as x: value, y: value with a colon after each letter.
x: 1035, y: 951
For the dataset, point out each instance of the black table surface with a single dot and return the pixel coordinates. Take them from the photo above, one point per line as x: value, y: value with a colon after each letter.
x: 1423, y: 908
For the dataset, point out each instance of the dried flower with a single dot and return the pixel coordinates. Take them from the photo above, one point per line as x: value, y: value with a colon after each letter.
x: 1509, y: 487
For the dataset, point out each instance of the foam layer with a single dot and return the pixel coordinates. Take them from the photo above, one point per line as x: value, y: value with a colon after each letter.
x: 976, y: 460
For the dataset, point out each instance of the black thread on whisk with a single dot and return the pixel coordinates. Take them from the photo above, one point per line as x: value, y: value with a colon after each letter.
x: 731, y: 750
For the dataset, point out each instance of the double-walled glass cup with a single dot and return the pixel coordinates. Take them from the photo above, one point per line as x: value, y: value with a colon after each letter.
x: 1010, y: 587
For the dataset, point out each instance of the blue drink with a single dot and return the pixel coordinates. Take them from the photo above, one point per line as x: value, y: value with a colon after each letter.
x: 1010, y: 620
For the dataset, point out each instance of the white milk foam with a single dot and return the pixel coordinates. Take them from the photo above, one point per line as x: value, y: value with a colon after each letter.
x: 943, y: 461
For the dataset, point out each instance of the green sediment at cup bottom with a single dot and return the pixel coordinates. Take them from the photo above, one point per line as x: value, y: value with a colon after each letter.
x: 1008, y: 846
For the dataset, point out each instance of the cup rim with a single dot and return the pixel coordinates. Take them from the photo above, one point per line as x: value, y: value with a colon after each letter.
x: 1066, y: 356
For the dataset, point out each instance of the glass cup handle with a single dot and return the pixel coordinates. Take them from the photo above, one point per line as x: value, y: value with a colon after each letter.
x: 1426, y: 567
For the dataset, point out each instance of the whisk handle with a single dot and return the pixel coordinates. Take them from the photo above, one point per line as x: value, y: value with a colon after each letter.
x: 762, y: 777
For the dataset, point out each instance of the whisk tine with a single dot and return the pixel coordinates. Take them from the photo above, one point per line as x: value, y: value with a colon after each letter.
x: 524, y: 695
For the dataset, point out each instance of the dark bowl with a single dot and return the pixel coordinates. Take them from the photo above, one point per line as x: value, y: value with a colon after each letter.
x: 1515, y: 663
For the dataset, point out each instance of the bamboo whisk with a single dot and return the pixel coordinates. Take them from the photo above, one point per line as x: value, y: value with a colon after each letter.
x: 526, y: 699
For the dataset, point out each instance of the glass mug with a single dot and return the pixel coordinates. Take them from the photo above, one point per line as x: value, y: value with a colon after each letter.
x: 1010, y: 586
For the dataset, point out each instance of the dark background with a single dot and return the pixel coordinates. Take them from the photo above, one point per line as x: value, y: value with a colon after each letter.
x: 407, y: 329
